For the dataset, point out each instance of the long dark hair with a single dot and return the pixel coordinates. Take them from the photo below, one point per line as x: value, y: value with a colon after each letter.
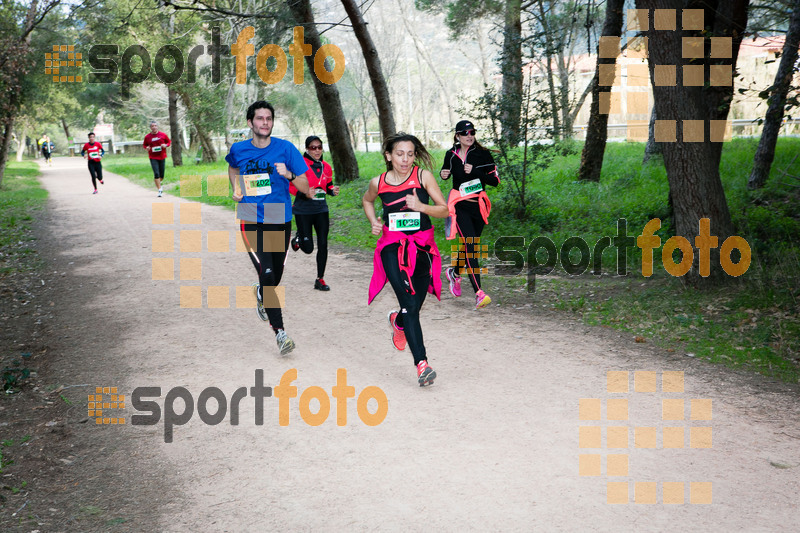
x: 310, y: 139
x: 420, y: 153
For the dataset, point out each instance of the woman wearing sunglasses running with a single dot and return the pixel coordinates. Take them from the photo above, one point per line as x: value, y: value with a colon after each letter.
x: 406, y: 254
x: 472, y: 168
x: 312, y: 210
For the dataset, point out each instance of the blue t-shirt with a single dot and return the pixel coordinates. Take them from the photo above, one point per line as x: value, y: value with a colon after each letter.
x: 267, y: 196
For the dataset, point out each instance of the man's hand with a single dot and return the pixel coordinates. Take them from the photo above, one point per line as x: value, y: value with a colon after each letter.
x: 281, y: 169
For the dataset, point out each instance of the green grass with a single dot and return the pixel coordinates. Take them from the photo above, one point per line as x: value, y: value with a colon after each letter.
x: 753, y: 322
x: 21, y: 196
x: 349, y: 225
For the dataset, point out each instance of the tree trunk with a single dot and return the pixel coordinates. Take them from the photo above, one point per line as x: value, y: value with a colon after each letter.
x: 563, y: 93
x: 692, y: 163
x: 209, y: 152
x: 345, y: 165
x: 366, y: 134
x: 422, y: 51
x: 70, y: 147
x: 66, y: 128
x: 207, y: 144
x: 597, y: 132
x: 373, y: 62
x: 21, y: 143
x: 579, y: 104
x: 765, y: 153
x: 480, y: 38
x: 229, y: 113
x: 5, y: 131
x: 174, y: 128
x: 548, y: 68
x: 11, y: 74
x: 511, y: 60
x: 652, y: 148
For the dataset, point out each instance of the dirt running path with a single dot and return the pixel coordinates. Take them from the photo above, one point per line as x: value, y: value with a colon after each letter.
x: 494, y: 444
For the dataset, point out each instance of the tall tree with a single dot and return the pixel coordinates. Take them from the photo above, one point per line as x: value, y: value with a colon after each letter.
x: 344, y: 159
x: 699, y: 112
x: 597, y: 132
x: 765, y: 153
x: 511, y: 66
x: 462, y: 17
x: 549, y: 53
x: 422, y: 52
x: 174, y: 128
x: 17, y: 23
x: 652, y: 148
x: 176, y: 148
x: 373, y: 62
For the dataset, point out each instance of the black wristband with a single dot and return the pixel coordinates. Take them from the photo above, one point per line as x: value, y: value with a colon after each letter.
x: 293, y: 177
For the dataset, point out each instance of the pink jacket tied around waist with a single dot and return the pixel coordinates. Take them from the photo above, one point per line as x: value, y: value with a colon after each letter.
x: 408, y: 248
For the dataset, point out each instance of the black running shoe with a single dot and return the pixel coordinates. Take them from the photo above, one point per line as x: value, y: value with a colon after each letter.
x: 320, y: 285
x: 295, y: 244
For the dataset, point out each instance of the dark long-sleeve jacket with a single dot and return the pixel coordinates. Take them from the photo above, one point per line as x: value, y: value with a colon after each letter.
x: 483, y: 167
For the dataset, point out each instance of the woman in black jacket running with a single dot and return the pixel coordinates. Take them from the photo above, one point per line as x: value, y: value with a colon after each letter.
x: 472, y: 168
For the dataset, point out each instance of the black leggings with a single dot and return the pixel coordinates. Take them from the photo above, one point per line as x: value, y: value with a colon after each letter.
x: 158, y: 168
x: 96, y: 170
x: 470, y: 226
x: 321, y: 225
x: 410, y: 304
x: 268, y: 264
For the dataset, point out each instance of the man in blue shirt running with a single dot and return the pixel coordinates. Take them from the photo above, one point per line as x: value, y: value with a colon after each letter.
x: 260, y: 170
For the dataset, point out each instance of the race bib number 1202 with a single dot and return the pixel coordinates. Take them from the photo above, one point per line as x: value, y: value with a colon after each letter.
x: 257, y: 185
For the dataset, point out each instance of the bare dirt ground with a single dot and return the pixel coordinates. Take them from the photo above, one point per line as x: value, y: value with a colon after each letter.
x: 494, y: 444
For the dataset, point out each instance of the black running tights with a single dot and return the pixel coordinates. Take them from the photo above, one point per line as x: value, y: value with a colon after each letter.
x: 470, y: 226
x: 267, y: 245
x: 321, y: 224
x: 410, y: 304
x: 96, y: 170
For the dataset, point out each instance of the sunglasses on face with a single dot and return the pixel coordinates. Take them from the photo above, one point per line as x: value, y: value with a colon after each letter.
x: 467, y: 132
x: 315, y: 147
